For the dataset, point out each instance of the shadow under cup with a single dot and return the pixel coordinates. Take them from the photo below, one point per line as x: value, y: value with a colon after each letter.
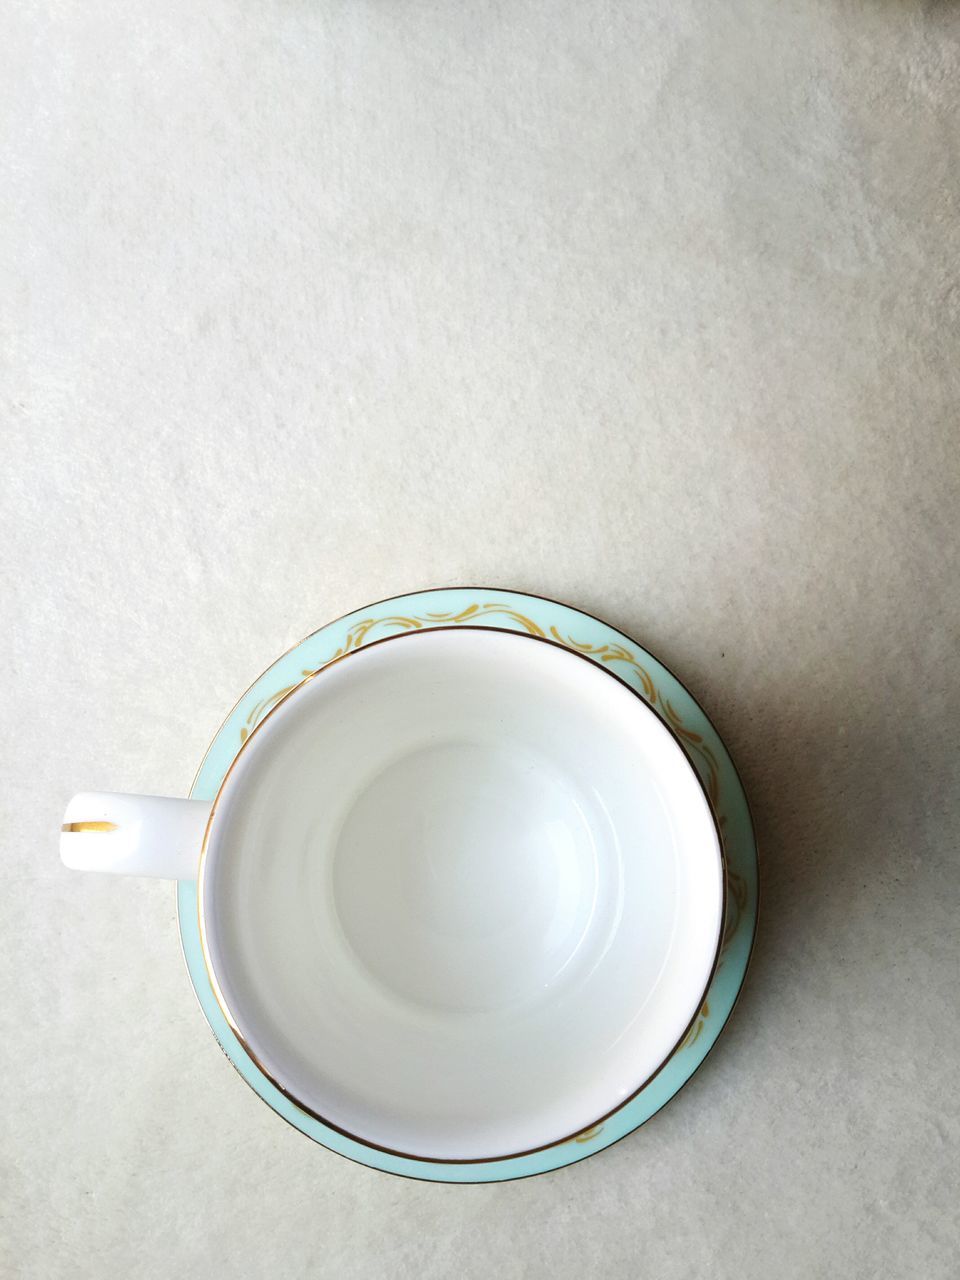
x: 461, y: 894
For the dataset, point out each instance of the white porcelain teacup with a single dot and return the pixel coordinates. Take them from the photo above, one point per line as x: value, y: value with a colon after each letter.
x: 461, y: 892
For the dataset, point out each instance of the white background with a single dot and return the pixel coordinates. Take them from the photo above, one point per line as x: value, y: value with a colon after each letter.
x: 652, y: 308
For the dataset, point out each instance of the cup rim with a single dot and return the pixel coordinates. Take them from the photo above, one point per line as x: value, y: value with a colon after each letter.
x: 311, y: 1111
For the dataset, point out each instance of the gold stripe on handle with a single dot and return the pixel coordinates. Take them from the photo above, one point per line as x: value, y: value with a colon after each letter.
x: 89, y: 826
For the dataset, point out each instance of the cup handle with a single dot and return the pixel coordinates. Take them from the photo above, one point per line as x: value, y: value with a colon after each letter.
x: 134, y: 835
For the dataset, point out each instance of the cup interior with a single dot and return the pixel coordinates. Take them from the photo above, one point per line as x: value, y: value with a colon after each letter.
x: 462, y: 894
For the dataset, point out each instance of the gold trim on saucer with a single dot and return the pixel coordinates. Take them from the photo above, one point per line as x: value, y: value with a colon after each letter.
x: 470, y: 617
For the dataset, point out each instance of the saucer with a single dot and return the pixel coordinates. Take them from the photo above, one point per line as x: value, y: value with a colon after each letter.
x: 470, y: 610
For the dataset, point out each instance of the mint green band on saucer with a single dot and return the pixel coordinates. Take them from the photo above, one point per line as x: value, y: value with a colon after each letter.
x: 510, y: 611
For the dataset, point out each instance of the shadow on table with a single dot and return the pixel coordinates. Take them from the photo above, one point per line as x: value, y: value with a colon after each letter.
x: 835, y: 782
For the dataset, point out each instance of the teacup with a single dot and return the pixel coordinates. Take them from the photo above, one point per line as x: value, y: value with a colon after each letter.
x: 460, y: 893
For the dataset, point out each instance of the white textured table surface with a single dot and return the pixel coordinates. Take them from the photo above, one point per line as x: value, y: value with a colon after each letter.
x: 651, y: 308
